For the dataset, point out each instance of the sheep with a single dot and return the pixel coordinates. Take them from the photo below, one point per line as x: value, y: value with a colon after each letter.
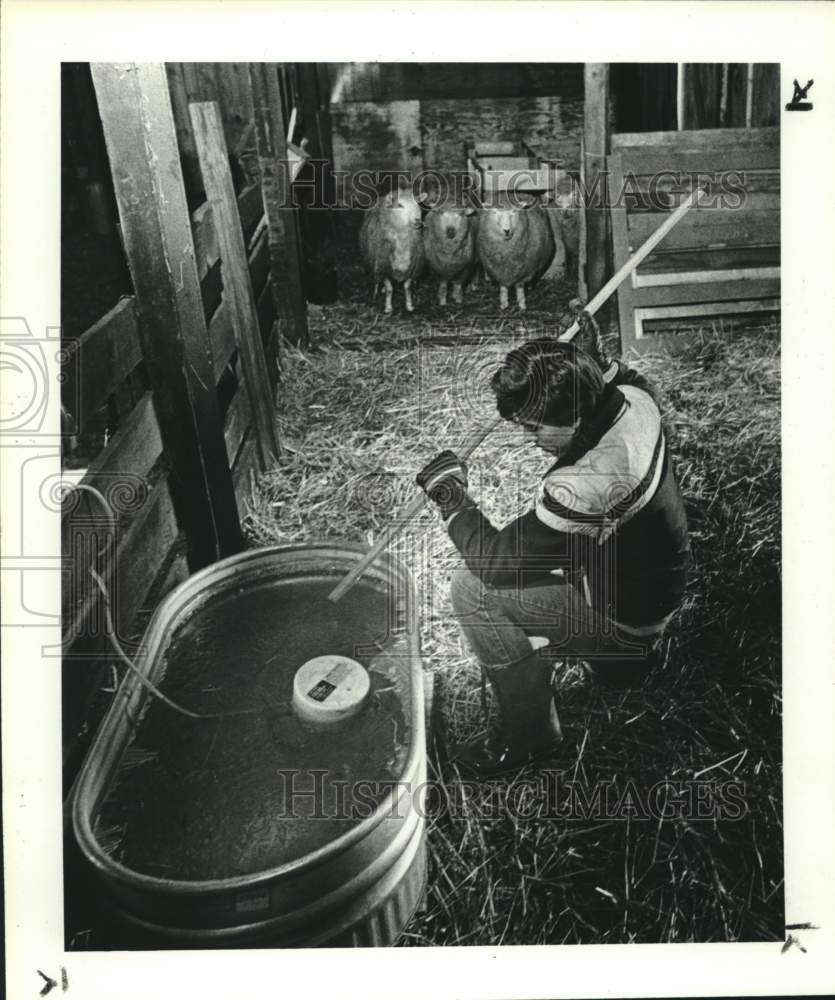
x: 450, y: 242
x: 515, y: 246
x: 391, y: 242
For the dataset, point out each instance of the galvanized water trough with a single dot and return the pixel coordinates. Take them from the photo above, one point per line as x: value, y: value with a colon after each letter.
x: 252, y: 825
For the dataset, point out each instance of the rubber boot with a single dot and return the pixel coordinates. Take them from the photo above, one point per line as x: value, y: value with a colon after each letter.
x: 523, y: 691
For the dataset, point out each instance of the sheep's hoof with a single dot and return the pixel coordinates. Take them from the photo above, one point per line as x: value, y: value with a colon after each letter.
x: 410, y: 309
x: 388, y: 310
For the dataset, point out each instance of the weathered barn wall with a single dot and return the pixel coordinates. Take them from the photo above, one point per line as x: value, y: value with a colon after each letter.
x: 375, y: 137
x: 552, y: 124
x: 344, y: 82
x: 706, y: 106
x: 432, y: 134
x: 419, y: 116
x: 228, y: 84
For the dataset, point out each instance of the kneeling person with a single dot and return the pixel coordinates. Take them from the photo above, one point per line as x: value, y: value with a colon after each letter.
x: 597, y: 567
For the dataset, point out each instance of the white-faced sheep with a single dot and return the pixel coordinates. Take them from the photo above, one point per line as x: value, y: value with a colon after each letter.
x: 450, y: 243
x: 391, y: 243
x: 515, y: 246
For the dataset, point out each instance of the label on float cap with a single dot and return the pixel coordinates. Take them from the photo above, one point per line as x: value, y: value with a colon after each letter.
x: 321, y: 691
x: 331, y: 681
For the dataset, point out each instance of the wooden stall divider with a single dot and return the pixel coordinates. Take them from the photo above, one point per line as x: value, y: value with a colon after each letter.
x: 595, y: 149
x: 135, y: 109
x: 285, y: 263
x: 237, y: 286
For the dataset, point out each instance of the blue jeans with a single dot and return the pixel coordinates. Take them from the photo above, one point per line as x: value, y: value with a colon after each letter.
x: 498, y: 623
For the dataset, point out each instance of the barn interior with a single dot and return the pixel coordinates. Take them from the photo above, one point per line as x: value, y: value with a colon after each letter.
x: 232, y: 383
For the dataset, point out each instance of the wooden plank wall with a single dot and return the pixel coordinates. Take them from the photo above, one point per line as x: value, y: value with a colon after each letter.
x: 449, y: 81
x: 724, y: 256
x: 228, y: 84
x: 145, y: 551
x: 715, y: 95
x: 416, y: 117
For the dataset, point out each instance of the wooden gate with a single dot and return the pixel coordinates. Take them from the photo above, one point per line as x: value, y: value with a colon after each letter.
x: 723, y: 258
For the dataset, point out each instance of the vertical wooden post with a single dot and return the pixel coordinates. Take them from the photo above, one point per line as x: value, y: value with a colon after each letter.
x: 319, y: 227
x: 135, y: 110
x: 308, y: 90
x: 723, y: 96
x: 582, y: 249
x: 596, y: 146
x: 324, y: 131
x: 237, y: 286
x: 285, y: 262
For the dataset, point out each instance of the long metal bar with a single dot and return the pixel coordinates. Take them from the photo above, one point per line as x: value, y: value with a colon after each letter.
x: 391, y: 531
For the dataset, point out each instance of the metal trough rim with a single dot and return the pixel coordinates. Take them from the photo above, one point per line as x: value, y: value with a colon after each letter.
x: 382, y: 871
x: 115, y: 728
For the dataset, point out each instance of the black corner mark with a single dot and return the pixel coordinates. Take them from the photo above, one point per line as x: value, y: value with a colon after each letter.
x: 791, y: 940
x: 49, y: 983
x: 798, y: 101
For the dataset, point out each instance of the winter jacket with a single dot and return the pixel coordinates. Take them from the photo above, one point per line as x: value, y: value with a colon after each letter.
x: 608, y: 517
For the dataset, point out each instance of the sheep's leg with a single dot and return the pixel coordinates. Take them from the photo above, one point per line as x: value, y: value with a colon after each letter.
x: 473, y: 285
x: 520, y: 296
x: 407, y: 288
x: 441, y: 293
x: 457, y: 292
x: 374, y: 292
x: 388, y: 287
x: 502, y: 296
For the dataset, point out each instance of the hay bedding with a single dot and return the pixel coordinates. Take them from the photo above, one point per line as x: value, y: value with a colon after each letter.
x: 356, y: 424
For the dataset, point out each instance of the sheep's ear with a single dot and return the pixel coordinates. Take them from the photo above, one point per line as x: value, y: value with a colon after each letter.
x: 528, y: 204
x: 423, y: 197
x: 469, y: 211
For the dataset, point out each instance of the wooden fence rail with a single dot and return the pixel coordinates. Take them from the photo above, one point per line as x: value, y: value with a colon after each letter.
x: 192, y: 357
x: 724, y: 257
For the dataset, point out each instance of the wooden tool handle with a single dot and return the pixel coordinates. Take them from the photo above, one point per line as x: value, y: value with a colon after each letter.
x: 391, y: 531
x: 475, y: 439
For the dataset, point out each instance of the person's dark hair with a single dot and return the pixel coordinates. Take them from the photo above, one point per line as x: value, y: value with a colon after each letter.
x: 546, y: 381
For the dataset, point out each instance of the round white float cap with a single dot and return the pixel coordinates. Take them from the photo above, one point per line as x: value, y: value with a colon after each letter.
x: 329, y: 689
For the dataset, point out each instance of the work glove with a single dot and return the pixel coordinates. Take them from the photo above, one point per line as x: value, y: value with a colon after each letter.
x: 588, y: 337
x: 444, y: 481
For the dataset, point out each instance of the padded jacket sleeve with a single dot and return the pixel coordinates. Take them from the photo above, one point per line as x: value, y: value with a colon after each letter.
x: 521, y: 552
